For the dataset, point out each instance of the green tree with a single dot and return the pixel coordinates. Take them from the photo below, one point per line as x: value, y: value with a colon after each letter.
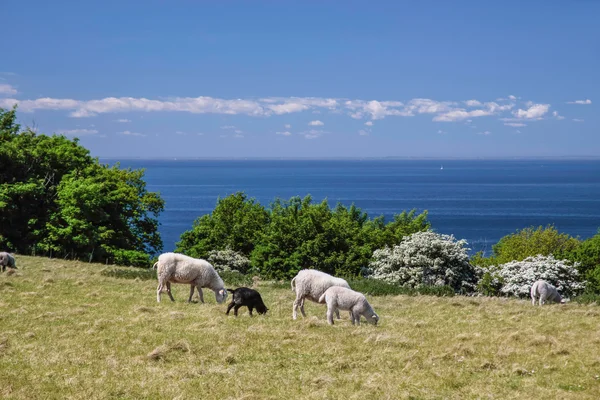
x: 235, y: 224
x: 56, y: 199
x: 587, y: 254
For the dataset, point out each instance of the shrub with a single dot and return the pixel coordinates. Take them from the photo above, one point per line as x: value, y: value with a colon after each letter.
x: 587, y: 298
x: 131, y: 258
x: 228, y: 260
x: 374, y: 287
x: 129, y: 273
x: 235, y: 278
x: 518, y: 276
x: 425, y: 258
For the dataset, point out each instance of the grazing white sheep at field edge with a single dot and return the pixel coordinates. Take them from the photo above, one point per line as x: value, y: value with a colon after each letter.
x: 7, y: 260
x: 311, y: 284
x: 179, y: 268
x: 340, y: 298
x: 545, y: 292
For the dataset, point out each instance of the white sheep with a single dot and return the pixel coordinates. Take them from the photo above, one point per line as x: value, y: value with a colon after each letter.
x: 311, y: 284
x: 341, y: 298
x: 7, y: 260
x: 179, y: 268
x: 545, y: 292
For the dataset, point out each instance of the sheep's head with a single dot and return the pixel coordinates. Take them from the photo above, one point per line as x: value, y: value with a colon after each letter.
x: 261, y: 309
x: 374, y: 319
x: 221, y: 295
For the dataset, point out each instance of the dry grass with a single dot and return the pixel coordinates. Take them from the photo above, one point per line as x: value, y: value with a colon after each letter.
x: 66, y: 332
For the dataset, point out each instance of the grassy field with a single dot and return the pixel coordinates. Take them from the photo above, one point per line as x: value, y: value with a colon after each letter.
x: 68, y: 332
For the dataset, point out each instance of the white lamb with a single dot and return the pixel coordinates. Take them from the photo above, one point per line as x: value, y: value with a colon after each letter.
x: 545, y: 292
x: 311, y: 284
x: 179, y: 268
x: 7, y: 260
x: 340, y: 298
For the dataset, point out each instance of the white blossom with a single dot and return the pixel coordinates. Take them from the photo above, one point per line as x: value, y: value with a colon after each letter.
x: 517, y: 277
x: 425, y: 258
x: 228, y: 260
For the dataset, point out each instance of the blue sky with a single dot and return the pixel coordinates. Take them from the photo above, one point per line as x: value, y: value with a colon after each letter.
x: 307, y: 79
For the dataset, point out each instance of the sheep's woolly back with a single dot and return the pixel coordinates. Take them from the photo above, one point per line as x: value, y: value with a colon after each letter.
x: 179, y: 268
x: 345, y: 299
x: 311, y: 284
x: 545, y: 291
x: 7, y: 260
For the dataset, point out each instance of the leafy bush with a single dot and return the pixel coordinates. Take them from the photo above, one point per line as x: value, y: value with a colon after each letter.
x: 235, y: 278
x: 129, y: 273
x: 426, y: 258
x: 228, y: 260
x: 518, y: 276
x: 131, y: 258
x: 587, y: 298
x: 374, y: 287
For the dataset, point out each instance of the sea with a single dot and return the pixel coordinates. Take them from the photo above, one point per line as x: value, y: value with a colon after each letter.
x: 477, y: 200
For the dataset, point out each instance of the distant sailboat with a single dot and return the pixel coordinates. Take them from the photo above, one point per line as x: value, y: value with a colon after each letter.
x: 441, y: 167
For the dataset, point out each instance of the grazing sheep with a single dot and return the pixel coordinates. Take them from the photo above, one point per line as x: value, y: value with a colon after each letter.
x: 311, y: 284
x: 7, y: 260
x: 179, y: 268
x: 244, y: 296
x: 341, y: 298
x: 545, y: 292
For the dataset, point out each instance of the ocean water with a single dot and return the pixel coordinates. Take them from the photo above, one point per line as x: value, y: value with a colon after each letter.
x: 477, y: 200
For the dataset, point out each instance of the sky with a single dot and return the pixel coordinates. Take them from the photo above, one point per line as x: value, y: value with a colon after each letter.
x: 288, y: 79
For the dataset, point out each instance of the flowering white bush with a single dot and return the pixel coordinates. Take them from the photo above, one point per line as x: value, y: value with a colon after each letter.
x: 425, y: 258
x: 517, y: 277
x: 228, y: 260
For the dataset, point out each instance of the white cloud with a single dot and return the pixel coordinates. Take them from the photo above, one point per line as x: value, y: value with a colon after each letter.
x: 515, y: 124
x: 6, y: 89
x: 555, y: 115
x: 238, y: 131
x: 441, y: 132
x: 316, y: 123
x: 473, y: 103
x: 313, y: 133
x: 446, y: 111
x: 77, y: 132
x: 228, y: 127
x: 578, y: 120
x: 484, y: 133
x: 518, y: 131
x: 586, y: 101
x: 123, y: 120
x: 535, y: 111
x: 238, y: 135
x: 285, y: 133
x: 129, y: 133
x: 180, y: 133
x: 363, y: 132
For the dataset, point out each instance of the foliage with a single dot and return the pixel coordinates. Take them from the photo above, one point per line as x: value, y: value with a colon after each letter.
x: 425, y: 258
x: 55, y: 199
x: 228, y: 260
x: 295, y: 234
x: 235, y: 223
x: 235, y: 278
x: 529, y: 242
x: 518, y: 276
x: 374, y: 287
x: 587, y: 255
x: 129, y: 273
x: 587, y: 297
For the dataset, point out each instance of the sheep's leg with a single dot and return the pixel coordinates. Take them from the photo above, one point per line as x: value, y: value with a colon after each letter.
x: 330, y: 315
x: 295, y: 308
x: 235, y: 309
x: 250, y: 310
x: 356, y: 317
x: 158, y: 291
x: 191, y: 293
x: 337, y: 313
x: 169, y: 291
x: 302, y: 307
x: 200, y: 294
x: 533, y: 300
x: 229, y: 307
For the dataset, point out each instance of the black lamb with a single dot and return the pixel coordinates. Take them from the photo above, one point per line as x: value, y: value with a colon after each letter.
x: 244, y: 296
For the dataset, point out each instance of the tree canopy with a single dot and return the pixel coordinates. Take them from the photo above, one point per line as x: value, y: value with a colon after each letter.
x: 55, y: 199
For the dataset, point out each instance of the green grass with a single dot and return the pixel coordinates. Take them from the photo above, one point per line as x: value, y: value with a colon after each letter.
x: 68, y: 331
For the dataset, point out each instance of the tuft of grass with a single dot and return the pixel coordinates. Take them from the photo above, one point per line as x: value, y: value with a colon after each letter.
x: 375, y: 287
x: 89, y: 335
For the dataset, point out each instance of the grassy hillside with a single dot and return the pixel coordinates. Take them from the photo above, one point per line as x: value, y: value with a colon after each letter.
x: 66, y: 331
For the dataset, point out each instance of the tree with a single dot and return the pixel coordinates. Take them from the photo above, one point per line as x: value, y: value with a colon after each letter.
x: 426, y: 258
x: 56, y: 199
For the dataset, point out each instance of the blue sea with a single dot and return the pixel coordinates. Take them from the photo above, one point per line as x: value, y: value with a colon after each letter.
x: 477, y: 200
